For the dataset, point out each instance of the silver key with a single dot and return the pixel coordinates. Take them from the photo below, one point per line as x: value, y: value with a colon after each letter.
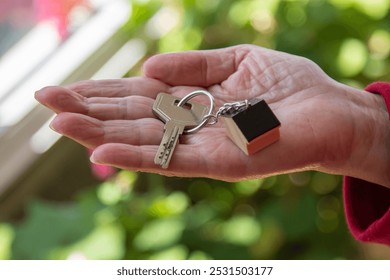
x: 176, y: 120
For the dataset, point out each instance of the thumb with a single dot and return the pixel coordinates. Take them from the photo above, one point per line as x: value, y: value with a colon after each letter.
x: 194, y: 68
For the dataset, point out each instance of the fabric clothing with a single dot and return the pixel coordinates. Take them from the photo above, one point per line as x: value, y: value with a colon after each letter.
x: 367, y: 205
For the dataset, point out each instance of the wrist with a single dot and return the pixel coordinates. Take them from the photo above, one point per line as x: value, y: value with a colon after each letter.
x: 368, y: 142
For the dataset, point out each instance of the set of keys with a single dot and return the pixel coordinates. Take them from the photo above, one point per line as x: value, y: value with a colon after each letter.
x: 250, y: 124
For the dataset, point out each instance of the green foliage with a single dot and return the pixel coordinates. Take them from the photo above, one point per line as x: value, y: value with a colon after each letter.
x: 6, y: 239
x: 53, y: 231
x: 296, y: 216
x: 349, y: 39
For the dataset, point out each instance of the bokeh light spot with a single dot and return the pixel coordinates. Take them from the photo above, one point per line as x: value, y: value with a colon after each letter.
x: 241, y: 230
x: 379, y: 44
x: 158, y: 234
x: 296, y: 16
x: 352, y: 57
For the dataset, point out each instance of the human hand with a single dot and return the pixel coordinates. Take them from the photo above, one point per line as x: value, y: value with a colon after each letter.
x: 321, y: 119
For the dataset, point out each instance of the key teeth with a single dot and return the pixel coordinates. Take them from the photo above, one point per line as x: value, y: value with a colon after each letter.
x: 162, y: 157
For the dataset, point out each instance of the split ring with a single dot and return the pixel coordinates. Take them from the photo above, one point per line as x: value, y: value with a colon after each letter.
x: 191, y: 95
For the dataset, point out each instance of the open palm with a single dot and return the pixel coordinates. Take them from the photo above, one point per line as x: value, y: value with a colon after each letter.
x: 115, y: 117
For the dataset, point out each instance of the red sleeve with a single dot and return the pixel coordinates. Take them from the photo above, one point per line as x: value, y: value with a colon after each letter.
x: 367, y: 205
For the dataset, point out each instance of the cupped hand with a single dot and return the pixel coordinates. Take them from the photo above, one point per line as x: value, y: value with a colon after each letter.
x: 114, y: 117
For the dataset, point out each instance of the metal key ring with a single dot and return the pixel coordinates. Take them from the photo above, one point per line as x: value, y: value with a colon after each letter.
x: 191, y: 95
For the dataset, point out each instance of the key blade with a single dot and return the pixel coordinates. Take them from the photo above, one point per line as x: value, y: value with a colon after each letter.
x: 168, y: 144
x: 171, y: 145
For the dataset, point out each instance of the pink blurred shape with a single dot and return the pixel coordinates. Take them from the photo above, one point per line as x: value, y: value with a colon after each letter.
x: 57, y: 11
x: 100, y: 171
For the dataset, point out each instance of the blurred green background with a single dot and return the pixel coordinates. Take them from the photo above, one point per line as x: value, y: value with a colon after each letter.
x: 146, y: 216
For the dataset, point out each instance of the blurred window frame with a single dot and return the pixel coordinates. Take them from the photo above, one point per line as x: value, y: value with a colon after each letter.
x: 96, y: 50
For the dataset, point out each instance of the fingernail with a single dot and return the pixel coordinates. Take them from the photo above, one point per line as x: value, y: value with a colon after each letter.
x: 52, y: 124
x: 36, y: 94
x: 93, y: 159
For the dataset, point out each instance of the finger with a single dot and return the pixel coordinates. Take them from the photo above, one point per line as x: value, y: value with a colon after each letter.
x: 61, y: 99
x: 91, y: 132
x: 195, y: 68
x: 141, y: 158
x: 141, y: 86
x: 123, y: 108
x: 191, y: 160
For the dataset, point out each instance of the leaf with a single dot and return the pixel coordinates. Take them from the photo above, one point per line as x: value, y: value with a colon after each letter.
x: 159, y: 234
x: 49, y: 226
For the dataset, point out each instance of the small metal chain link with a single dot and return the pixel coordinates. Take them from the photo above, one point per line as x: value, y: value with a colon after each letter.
x: 226, y: 110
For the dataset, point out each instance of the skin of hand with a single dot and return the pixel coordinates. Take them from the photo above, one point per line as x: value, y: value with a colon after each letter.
x: 326, y: 126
